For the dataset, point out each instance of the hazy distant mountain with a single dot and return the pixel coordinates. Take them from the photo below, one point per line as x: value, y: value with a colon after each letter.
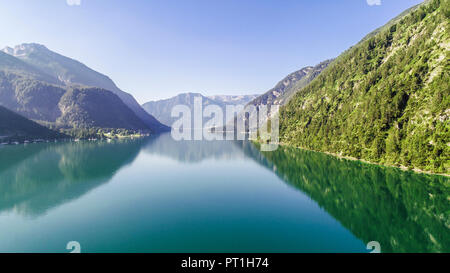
x: 32, y: 93
x: 16, y: 127
x: 69, y: 72
x: 233, y: 100
x: 162, y: 109
x: 14, y: 65
x: 281, y: 93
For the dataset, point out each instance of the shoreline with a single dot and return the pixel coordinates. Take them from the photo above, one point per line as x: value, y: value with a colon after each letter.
x: 28, y: 142
x: 403, y: 168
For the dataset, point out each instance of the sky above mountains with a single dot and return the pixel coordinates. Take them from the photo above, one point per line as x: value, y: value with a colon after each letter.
x: 157, y: 49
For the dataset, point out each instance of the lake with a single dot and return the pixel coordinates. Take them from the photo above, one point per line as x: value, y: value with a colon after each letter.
x: 159, y: 195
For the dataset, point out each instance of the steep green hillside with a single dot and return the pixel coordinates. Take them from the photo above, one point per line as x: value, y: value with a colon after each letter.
x: 17, y: 128
x: 386, y: 100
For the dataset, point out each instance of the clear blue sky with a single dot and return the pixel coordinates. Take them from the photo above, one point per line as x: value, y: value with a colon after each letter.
x: 157, y: 49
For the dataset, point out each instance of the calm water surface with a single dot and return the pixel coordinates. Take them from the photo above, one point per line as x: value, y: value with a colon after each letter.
x: 158, y: 195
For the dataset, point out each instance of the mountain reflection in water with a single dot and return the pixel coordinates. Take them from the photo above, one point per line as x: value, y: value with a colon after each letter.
x: 404, y: 211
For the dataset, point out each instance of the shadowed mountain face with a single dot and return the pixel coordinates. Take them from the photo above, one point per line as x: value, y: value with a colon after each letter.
x: 68, y: 72
x: 80, y: 108
x: 42, y: 176
x: 404, y: 211
x: 14, y: 126
x: 65, y: 106
x: 25, y: 90
x: 162, y: 109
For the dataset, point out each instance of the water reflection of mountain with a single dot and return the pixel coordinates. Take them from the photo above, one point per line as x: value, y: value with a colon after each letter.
x: 404, y: 211
x: 38, y: 177
x: 193, y: 151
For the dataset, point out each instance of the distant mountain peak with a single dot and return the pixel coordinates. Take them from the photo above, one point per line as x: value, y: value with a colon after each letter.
x: 8, y: 50
x: 188, y: 94
x: 24, y: 49
x: 161, y: 109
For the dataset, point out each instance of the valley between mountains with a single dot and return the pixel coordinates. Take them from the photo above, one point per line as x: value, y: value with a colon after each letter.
x: 386, y: 100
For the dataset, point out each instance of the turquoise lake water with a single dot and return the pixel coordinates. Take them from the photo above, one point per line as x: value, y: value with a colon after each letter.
x: 159, y: 195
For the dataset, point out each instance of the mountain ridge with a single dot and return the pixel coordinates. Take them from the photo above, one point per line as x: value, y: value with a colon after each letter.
x: 24, y: 90
x: 280, y: 94
x: 72, y: 72
x: 18, y: 128
x: 284, y: 89
x: 385, y: 100
x: 161, y: 109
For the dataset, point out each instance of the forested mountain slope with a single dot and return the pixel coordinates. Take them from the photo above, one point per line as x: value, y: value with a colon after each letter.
x: 386, y: 100
x: 34, y: 94
x: 71, y: 72
x: 15, y: 127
